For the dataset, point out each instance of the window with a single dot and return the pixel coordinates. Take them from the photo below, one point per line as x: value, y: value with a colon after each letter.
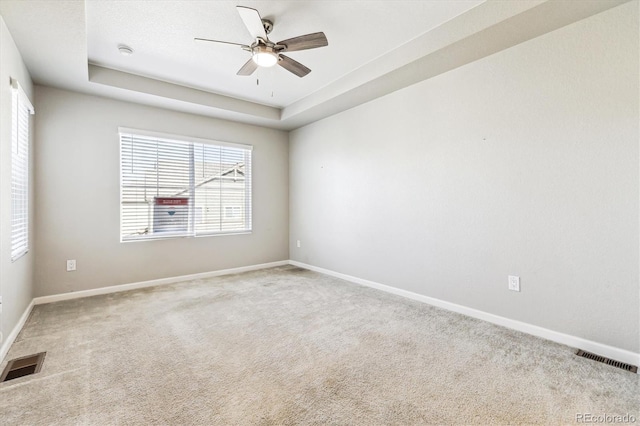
x: 21, y: 109
x: 233, y: 212
x: 176, y: 186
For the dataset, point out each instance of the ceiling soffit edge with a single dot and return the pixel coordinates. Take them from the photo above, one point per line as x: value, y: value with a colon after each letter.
x: 482, y: 31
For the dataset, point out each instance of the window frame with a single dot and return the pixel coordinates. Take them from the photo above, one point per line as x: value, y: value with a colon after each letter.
x: 193, y: 215
x: 21, y: 110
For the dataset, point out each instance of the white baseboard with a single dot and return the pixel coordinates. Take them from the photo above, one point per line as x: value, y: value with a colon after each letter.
x: 14, y: 333
x: 555, y: 336
x: 151, y: 283
x: 123, y: 287
x: 565, y: 339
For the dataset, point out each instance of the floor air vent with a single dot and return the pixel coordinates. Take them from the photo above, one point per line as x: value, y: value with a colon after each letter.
x: 23, y: 366
x: 611, y: 362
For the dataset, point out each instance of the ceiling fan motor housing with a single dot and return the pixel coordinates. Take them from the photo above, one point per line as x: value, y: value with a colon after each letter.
x: 264, y: 53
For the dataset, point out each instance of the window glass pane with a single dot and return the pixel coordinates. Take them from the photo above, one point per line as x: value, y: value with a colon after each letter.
x: 221, y: 188
x: 21, y: 110
x: 181, y: 188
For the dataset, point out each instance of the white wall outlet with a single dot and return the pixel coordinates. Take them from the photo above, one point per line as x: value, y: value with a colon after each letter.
x: 298, y: 243
x: 514, y: 283
x: 71, y: 265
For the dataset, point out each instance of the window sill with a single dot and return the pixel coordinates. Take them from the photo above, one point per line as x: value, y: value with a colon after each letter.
x: 19, y: 255
x: 175, y: 237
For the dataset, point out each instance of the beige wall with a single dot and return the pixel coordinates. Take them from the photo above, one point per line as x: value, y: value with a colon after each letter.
x: 16, y: 278
x: 77, y: 182
x: 523, y: 163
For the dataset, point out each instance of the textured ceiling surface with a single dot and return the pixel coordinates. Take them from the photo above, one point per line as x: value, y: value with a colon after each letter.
x: 375, y: 47
x: 162, y: 33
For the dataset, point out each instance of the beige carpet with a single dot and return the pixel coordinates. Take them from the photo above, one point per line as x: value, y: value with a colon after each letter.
x: 290, y: 346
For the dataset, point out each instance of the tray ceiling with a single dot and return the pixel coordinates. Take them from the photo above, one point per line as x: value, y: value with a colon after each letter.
x: 375, y: 47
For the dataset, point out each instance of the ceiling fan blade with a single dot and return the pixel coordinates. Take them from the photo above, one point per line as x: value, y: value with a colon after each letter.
x: 293, y: 66
x: 309, y: 41
x: 248, y: 68
x: 244, y: 46
x: 252, y: 21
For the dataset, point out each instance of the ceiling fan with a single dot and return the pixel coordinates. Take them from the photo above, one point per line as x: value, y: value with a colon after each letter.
x: 264, y: 52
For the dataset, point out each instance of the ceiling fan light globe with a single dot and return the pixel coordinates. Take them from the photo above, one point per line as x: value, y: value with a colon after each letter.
x: 265, y: 59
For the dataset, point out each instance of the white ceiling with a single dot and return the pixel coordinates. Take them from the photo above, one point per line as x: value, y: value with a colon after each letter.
x: 375, y: 47
x: 162, y: 33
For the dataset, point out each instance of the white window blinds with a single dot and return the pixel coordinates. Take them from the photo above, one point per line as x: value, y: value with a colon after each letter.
x: 175, y: 186
x: 21, y: 109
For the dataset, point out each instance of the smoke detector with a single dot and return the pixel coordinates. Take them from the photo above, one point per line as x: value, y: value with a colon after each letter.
x: 125, y: 50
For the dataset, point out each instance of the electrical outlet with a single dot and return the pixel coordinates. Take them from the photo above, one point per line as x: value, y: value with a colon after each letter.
x: 514, y: 283
x: 1, y: 337
x: 71, y: 265
x: 298, y: 243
